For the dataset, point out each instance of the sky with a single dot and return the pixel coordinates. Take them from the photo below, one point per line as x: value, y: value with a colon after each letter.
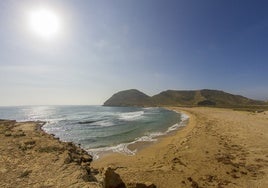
x: 102, y: 47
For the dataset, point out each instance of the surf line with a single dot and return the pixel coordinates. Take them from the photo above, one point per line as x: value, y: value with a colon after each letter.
x: 152, y: 137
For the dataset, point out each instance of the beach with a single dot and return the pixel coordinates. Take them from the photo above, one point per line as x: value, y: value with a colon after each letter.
x: 217, y: 148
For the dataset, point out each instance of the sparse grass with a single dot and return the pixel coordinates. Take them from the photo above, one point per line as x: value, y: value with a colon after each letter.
x: 248, y: 108
x: 49, y: 149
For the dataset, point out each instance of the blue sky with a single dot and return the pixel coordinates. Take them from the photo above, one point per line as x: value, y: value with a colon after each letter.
x: 107, y: 46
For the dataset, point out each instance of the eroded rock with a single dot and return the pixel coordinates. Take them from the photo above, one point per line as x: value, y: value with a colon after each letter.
x: 141, y: 185
x: 112, y: 179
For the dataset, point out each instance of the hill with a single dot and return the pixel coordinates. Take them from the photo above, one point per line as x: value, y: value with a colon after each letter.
x: 130, y: 97
x: 203, y: 97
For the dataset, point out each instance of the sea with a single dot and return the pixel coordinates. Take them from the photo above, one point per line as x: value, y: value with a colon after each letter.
x: 99, y: 129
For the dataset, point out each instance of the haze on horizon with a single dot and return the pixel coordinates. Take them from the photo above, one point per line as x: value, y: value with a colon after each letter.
x: 82, y: 52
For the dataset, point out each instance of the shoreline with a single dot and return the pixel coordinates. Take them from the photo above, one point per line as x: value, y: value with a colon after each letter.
x: 218, y: 147
x: 140, y: 143
x: 30, y: 157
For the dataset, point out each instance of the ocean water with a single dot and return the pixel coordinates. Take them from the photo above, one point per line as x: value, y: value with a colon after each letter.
x: 97, y: 128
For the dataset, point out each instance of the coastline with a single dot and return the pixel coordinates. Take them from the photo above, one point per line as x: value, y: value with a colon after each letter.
x: 32, y: 158
x: 218, y: 147
x: 131, y: 148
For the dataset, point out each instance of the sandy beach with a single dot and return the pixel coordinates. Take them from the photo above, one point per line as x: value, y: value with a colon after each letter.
x: 218, y: 148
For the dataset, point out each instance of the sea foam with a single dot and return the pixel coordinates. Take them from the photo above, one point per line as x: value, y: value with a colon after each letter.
x: 152, y: 137
x: 129, y: 116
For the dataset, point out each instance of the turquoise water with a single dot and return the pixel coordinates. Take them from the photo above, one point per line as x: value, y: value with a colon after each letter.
x: 99, y: 128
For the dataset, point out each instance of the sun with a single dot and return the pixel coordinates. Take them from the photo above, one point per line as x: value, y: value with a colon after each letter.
x: 44, y: 23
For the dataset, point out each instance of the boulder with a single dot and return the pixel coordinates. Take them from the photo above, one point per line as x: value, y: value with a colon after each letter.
x: 141, y: 185
x: 86, y: 158
x: 112, y: 179
x: 66, y: 157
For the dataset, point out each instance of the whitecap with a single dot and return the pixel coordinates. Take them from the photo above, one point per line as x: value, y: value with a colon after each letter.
x: 130, y: 116
x: 149, y: 138
x: 104, y: 123
x: 152, y: 137
x: 121, y: 148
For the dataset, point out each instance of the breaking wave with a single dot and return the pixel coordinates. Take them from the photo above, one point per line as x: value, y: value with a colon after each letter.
x: 130, y: 116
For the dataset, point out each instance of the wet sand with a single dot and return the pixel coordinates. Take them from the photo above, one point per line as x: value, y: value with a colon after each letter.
x: 218, y: 148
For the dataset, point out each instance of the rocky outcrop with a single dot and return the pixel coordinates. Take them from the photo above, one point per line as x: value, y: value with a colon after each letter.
x: 36, y: 159
x: 141, y: 185
x: 111, y: 179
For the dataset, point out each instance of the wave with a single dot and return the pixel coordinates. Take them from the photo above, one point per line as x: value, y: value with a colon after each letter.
x: 184, y: 119
x: 88, y: 122
x: 121, y: 148
x: 149, y: 138
x: 130, y: 116
x: 150, y: 108
x: 104, y: 123
x: 152, y: 137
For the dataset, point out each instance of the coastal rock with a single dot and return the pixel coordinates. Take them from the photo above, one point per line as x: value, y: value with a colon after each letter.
x: 86, y: 158
x: 7, y: 133
x: 19, y: 133
x: 33, y: 158
x: 29, y: 142
x: 141, y: 185
x: 83, y: 174
x: 66, y: 157
x: 76, y: 158
x: 112, y: 179
x: 86, y: 166
x: 194, y: 184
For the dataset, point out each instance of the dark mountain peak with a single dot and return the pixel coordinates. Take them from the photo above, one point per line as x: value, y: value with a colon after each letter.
x: 131, y: 97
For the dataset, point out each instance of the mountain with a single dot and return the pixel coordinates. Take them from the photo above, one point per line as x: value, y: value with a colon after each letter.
x: 130, y: 97
x: 203, y: 97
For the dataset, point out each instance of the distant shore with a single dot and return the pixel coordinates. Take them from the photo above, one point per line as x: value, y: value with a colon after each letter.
x: 218, y: 148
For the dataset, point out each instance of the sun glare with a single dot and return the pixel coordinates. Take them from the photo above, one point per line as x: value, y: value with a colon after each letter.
x: 44, y: 23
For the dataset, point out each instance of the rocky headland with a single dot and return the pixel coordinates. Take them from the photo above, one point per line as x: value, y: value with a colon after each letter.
x: 29, y: 157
